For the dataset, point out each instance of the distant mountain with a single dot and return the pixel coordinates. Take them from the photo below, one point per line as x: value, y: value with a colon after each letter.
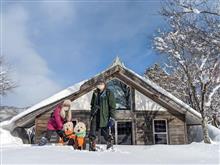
x: 7, y: 112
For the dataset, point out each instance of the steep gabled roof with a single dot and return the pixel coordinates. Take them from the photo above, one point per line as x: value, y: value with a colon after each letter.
x: 117, y: 69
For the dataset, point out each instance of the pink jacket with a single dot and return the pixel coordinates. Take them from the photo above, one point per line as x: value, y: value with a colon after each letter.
x: 56, y: 121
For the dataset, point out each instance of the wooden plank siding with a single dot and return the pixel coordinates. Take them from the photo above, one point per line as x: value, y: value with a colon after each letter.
x: 142, y: 130
x: 42, y: 120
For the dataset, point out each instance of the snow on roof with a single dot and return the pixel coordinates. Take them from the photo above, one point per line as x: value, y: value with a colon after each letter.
x: 62, y: 94
x: 72, y: 89
x: 117, y: 61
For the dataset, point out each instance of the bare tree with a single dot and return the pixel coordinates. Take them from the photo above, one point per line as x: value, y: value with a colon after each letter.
x: 192, y: 47
x: 6, y: 83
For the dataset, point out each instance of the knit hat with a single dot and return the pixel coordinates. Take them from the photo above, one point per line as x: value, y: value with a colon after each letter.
x: 67, y: 102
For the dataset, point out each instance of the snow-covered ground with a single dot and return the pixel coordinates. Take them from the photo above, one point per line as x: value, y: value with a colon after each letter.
x: 14, y: 152
x: 195, y: 153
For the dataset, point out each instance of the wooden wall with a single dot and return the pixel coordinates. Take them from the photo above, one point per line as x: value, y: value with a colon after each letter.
x: 41, y: 126
x: 41, y: 123
x: 144, y: 127
x: 142, y: 122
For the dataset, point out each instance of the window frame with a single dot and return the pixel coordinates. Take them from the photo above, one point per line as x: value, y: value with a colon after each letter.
x: 163, y: 133
x: 116, y: 130
x: 131, y: 100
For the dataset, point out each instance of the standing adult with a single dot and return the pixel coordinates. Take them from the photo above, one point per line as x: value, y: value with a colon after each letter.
x: 102, y: 114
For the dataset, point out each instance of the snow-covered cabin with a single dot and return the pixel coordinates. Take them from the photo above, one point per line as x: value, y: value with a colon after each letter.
x: 146, y: 113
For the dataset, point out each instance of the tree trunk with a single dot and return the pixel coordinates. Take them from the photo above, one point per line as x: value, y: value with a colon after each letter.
x: 205, y: 131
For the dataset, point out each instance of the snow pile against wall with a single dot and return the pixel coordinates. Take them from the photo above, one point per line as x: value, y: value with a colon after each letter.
x: 195, y: 133
x: 7, y: 139
x: 214, y: 133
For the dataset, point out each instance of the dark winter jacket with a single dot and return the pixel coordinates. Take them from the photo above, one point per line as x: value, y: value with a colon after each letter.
x: 105, y: 102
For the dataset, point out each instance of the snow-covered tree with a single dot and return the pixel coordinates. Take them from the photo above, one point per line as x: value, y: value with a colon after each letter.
x: 192, y: 47
x: 215, y: 108
x: 173, y: 82
x: 6, y: 83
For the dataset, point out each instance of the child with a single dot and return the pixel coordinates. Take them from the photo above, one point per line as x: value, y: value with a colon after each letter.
x: 61, y: 114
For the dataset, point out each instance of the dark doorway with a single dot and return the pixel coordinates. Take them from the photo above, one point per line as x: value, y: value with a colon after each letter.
x: 124, y: 133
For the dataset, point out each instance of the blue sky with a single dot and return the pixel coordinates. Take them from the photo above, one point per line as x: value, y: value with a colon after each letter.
x: 51, y: 45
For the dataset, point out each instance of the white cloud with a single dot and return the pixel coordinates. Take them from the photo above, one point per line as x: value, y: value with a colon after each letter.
x: 30, y: 69
x: 57, y: 11
x: 89, y: 36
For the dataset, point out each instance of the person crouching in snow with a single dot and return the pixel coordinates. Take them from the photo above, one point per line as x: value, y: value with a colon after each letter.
x: 102, y: 114
x: 60, y: 115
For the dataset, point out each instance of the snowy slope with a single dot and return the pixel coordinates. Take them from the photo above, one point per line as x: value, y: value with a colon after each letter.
x: 196, y: 153
x: 8, y: 112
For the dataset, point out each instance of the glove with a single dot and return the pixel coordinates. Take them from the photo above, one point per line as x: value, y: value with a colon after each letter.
x: 65, y: 139
x: 111, y: 122
x: 62, y: 134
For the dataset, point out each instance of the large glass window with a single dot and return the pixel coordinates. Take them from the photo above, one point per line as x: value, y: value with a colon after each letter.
x: 122, y: 94
x: 160, y: 131
x: 124, y: 134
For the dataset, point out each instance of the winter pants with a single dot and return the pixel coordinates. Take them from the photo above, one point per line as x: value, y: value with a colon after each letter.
x: 94, y: 127
x: 60, y: 134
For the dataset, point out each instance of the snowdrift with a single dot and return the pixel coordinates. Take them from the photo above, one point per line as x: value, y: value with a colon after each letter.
x: 7, y: 139
x: 214, y: 133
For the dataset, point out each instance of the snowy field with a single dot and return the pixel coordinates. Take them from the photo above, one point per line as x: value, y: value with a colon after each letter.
x: 13, y: 151
x: 196, y: 153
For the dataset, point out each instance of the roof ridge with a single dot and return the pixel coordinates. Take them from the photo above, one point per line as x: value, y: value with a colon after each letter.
x: 118, y: 61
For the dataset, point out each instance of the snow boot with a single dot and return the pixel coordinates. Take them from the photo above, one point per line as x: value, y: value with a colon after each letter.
x: 43, y: 141
x: 110, y: 144
x: 92, y: 145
